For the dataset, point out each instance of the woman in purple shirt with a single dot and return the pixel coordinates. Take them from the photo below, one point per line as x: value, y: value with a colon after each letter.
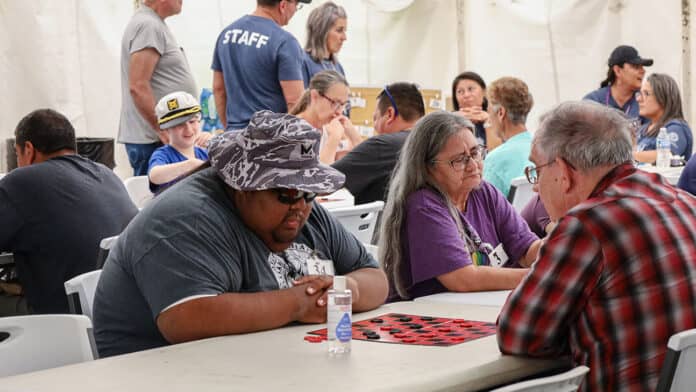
x: 444, y: 228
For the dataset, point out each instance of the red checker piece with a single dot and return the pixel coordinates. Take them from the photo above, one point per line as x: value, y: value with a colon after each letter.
x: 400, y: 335
x: 385, y: 328
x: 458, y: 339
x: 408, y: 340
x: 445, y: 329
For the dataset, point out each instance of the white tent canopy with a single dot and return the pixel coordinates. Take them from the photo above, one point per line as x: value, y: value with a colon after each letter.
x: 65, y: 54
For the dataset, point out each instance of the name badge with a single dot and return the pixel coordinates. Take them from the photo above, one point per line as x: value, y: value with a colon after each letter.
x: 318, y: 266
x: 498, y: 257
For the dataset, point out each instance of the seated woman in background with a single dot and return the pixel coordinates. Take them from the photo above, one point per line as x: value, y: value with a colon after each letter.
x: 660, y: 102
x: 179, y: 115
x: 469, y: 100
x: 444, y: 229
x: 322, y: 106
x: 326, y: 32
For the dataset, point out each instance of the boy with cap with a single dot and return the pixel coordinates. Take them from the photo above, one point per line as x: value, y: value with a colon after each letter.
x: 236, y: 248
x: 179, y: 114
x: 624, y: 78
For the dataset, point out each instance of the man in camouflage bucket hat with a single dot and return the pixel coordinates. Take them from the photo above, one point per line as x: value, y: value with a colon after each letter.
x: 234, y: 248
x: 255, y: 160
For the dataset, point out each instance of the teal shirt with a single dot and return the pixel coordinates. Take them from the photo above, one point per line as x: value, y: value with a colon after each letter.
x: 508, y: 161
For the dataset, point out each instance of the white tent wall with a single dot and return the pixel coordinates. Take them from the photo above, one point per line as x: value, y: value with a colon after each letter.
x: 65, y: 54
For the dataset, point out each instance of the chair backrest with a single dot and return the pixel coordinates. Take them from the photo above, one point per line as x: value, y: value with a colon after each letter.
x: 104, y: 248
x: 359, y: 220
x: 30, y: 343
x: 80, y: 291
x: 521, y: 192
x: 565, y: 382
x: 678, y: 369
x: 138, y: 188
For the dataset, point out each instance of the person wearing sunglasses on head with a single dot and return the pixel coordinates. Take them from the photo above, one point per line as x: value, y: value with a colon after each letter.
x: 237, y: 247
x: 369, y: 165
x: 616, y: 277
x: 322, y: 105
x: 444, y: 228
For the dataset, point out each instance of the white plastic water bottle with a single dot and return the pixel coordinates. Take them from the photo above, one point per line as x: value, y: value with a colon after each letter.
x: 663, y: 147
x: 339, y: 317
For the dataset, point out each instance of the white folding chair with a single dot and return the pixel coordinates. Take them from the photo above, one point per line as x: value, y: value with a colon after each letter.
x: 138, y: 189
x: 678, y: 369
x: 30, y: 343
x: 80, y: 291
x: 521, y: 192
x: 565, y: 382
x: 360, y: 220
x: 104, y: 247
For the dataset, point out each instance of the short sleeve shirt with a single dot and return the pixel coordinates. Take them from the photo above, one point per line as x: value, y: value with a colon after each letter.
x: 432, y: 244
x: 254, y: 55
x: 167, y: 155
x: 190, y: 242
x: 680, y: 138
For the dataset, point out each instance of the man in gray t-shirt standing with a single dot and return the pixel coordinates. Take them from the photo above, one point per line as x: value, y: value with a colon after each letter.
x: 152, y: 66
x: 234, y: 248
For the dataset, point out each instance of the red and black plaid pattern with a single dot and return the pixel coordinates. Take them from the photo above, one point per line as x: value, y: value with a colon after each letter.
x: 614, y: 280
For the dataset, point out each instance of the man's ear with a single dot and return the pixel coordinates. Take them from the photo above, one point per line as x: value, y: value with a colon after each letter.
x: 391, y: 117
x: 502, y: 113
x: 28, y: 154
x: 568, y: 179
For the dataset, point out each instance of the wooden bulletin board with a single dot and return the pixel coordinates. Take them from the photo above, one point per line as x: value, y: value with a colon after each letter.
x: 364, y: 100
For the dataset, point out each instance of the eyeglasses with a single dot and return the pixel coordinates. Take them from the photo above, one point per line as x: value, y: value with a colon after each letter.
x: 643, y: 94
x: 391, y: 99
x: 460, y: 163
x: 335, y: 104
x: 532, y: 172
x: 292, y: 196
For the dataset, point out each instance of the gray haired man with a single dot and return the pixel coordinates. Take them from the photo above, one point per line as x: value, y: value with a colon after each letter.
x: 234, y: 248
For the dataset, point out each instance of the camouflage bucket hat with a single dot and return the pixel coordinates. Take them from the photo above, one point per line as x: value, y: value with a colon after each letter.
x: 275, y: 150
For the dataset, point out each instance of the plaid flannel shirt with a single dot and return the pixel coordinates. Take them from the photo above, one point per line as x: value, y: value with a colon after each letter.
x: 614, y: 280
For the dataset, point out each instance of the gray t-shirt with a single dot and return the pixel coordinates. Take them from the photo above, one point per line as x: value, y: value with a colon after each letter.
x: 172, y: 72
x: 190, y: 241
x: 368, y: 167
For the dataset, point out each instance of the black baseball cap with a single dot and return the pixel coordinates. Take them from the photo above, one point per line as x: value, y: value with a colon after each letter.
x: 627, y: 54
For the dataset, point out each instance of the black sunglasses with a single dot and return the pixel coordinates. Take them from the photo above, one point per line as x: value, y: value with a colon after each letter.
x: 292, y: 196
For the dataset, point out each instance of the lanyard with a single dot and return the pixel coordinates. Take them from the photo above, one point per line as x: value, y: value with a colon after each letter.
x: 606, y: 100
x: 478, y: 249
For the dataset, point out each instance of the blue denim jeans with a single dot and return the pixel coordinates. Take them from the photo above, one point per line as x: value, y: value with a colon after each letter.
x: 139, y: 156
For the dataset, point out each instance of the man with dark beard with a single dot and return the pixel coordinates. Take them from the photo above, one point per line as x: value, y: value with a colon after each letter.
x: 238, y: 247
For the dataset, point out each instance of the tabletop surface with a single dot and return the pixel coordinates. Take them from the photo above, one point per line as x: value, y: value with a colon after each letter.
x: 484, y: 298
x: 282, y: 360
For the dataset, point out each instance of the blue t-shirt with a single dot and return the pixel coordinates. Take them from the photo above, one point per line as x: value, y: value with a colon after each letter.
x: 166, y: 155
x: 680, y: 138
x: 311, y: 67
x: 508, y: 161
x: 603, y: 96
x: 254, y: 54
x: 687, y: 180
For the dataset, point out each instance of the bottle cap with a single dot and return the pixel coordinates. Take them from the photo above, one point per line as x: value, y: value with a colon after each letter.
x: 339, y: 283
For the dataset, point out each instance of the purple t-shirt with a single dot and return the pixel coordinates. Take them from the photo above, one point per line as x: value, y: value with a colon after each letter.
x: 432, y: 245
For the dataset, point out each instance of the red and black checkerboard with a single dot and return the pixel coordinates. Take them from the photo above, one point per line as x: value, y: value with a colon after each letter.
x: 413, y: 329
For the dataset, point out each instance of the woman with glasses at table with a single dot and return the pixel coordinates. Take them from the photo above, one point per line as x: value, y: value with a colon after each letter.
x: 322, y: 106
x: 469, y: 101
x: 660, y: 102
x: 444, y: 228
